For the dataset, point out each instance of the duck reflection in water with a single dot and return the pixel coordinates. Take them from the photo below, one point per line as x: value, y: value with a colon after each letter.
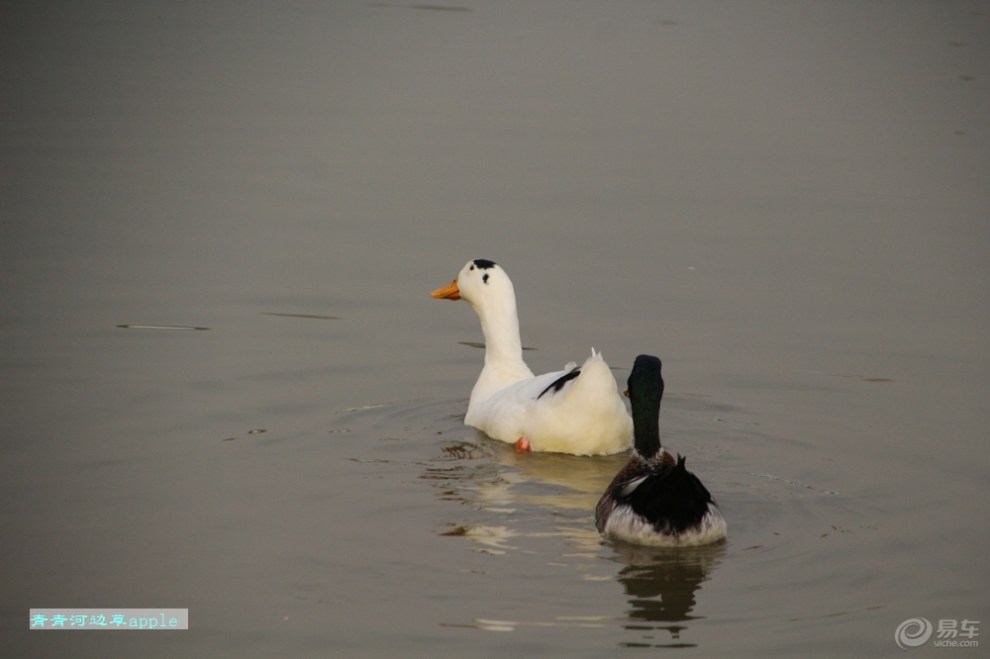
x: 661, y: 584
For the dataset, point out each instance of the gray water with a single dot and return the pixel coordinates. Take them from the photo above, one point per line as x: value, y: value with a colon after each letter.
x: 225, y: 388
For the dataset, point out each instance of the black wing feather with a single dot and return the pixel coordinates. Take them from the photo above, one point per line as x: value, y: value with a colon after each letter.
x: 559, y: 383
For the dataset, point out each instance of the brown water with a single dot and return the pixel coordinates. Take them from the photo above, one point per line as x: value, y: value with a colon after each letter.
x: 788, y: 202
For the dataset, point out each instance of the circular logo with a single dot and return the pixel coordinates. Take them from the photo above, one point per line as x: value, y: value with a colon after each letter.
x: 913, y: 632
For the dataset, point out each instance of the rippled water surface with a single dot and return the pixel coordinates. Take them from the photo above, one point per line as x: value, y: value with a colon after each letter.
x: 225, y: 387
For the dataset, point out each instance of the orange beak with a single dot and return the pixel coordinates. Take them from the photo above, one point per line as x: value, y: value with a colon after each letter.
x: 448, y: 292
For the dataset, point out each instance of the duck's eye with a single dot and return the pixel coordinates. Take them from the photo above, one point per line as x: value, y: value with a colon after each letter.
x: 471, y: 268
x: 485, y: 278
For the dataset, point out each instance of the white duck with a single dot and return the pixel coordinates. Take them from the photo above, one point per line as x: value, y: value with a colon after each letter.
x: 577, y: 410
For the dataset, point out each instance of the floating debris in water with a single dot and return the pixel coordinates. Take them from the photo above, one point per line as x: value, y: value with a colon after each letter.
x: 481, y: 346
x: 171, y: 328
x: 253, y: 431
x: 310, y: 316
x: 851, y: 376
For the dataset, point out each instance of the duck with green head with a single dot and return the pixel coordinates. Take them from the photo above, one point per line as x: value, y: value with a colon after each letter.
x: 654, y: 499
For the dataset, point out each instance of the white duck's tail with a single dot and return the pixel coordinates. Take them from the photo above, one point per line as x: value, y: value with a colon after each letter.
x: 581, y: 412
x: 596, y: 379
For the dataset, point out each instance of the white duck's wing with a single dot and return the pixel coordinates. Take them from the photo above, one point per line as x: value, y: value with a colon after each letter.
x: 574, y: 411
x: 581, y: 412
x: 502, y: 415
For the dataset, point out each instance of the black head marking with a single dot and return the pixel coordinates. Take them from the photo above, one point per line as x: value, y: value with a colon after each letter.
x: 484, y: 264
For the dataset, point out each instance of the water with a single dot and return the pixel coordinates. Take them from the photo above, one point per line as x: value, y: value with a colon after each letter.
x: 225, y: 388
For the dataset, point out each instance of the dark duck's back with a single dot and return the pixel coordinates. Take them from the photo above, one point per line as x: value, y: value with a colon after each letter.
x: 654, y: 499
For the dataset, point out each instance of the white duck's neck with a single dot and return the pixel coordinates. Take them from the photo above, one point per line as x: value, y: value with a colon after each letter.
x: 504, y: 364
x: 500, y: 324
